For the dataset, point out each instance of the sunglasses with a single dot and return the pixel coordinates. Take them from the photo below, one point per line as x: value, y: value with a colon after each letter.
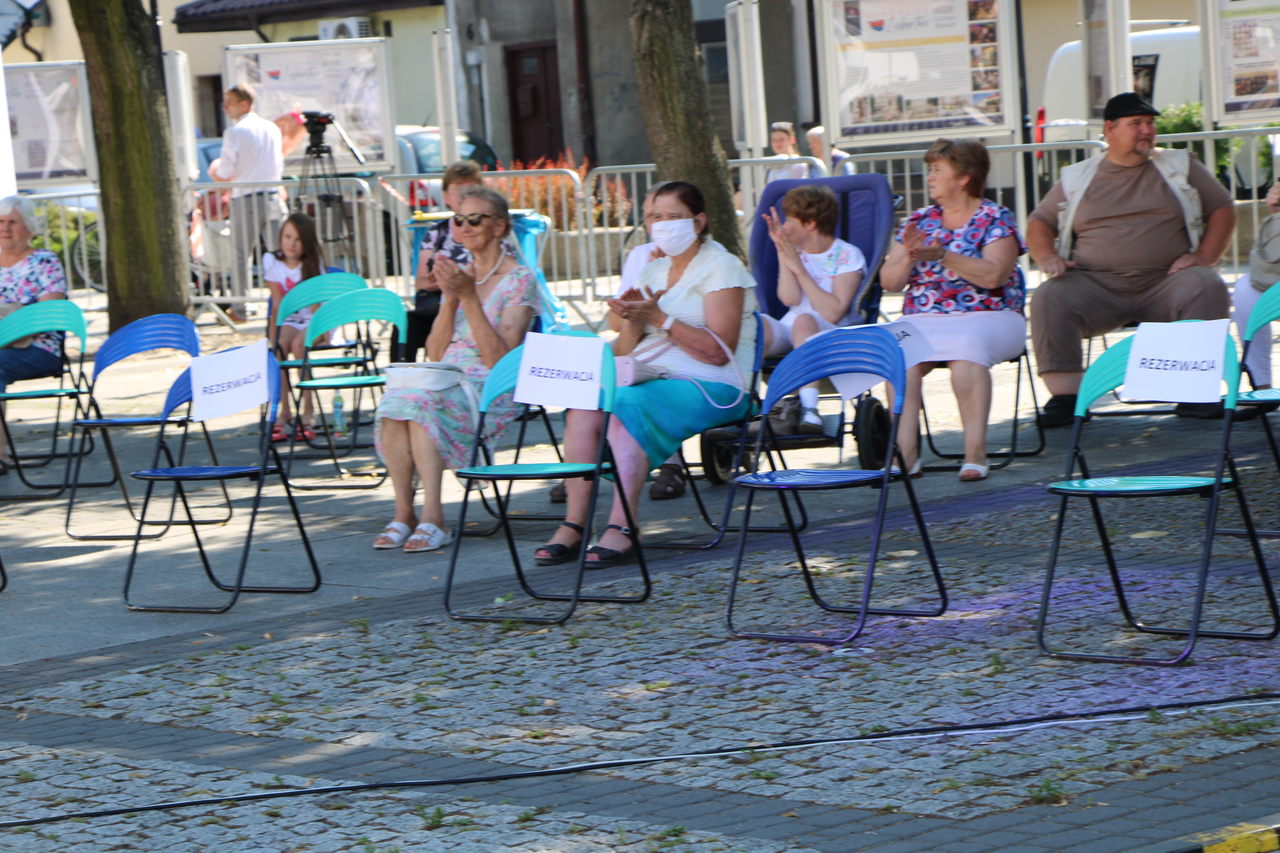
x: 472, y: 219
x: 783, y: 126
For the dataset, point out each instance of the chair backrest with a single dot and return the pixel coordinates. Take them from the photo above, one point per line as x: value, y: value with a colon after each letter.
x: 180, y: 390
x: 159, y: 331
x: 863, y: 349
x: 1107, y: 373
x: 53, y: 315
x: 503, y: 376
x: 866, y: 221
x: 319, y: 288
x: 1266, y: 309
x: 356, y: 306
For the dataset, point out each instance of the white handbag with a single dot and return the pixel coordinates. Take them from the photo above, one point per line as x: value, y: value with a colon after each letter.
x: 432, y: 376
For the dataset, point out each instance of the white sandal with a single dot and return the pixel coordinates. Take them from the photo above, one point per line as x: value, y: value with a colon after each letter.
x: 970, y: 468
x: 392, y: 536
x: 431, y: 536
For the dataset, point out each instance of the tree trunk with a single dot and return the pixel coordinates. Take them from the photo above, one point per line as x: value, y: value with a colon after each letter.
x: 677, y: 111
x: 147, y: 271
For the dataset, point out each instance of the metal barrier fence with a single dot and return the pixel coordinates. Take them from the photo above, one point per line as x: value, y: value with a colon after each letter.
x: 594, y: 220
x: 69, y: 227
x: 231, y: 224
x: 1020, y: 174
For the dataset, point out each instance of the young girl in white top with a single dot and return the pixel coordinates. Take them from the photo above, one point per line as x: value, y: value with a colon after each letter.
x: 297, y: 260
x: 818, y: 278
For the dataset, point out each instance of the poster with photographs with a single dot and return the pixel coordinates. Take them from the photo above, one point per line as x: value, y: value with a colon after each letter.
x: 1245, y: 35
x: 49, y: 123
x: 917, y: 66
x: 348, y: 79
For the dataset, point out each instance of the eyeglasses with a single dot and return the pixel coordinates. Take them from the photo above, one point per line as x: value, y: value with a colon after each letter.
x: 472, y: 219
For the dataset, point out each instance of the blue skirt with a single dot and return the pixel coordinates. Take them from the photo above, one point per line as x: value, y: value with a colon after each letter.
x: 662, y: 413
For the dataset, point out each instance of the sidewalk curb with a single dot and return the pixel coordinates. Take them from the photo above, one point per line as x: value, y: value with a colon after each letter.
x: 1261, y: 836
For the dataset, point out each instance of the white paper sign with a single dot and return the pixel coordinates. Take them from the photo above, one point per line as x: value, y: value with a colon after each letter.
x: 560, y: 370
x: 915, y: 349
x: 1176, y: 362
x: 229, y: 381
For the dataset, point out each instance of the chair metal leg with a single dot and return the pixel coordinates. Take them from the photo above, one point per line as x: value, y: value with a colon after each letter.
x: 570, y: 599
x: 1193, y: 629
x: 1005, y: 457
x: 237, y: 586
x: 862, y: 609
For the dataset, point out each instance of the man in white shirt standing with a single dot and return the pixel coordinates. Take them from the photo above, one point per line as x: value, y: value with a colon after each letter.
x: 251, y: 151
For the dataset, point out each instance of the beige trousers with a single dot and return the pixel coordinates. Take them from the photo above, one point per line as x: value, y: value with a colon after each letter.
x: 1080, y: 304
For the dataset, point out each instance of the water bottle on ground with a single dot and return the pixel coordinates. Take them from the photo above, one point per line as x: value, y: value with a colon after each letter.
x: 339, y: 418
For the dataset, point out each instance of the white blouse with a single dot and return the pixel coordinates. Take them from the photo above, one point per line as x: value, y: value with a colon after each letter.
x: 712, y: 268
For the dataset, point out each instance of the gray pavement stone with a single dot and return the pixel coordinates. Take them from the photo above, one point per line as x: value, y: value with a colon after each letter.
x: 386, y: 688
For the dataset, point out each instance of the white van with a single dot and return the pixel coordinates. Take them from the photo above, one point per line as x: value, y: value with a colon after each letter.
x: 1166, y: 69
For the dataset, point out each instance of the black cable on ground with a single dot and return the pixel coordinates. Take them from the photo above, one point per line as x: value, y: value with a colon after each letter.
x: 922, y: 731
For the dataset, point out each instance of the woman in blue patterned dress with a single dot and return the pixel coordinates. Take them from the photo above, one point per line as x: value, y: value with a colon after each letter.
x: 485, y: 310
x: 26, y: 275
x: 957, y: 260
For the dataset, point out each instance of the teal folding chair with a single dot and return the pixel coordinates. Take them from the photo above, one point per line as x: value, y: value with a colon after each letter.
x: 358, y: 351
x: 477, y: 477
x: 1106, y: 374
x: 866, y: 350
x: 360, y: 308
x: 314, y: 291
x: 55, y: 315
x: 266, y: 465
x: 1265, y: 311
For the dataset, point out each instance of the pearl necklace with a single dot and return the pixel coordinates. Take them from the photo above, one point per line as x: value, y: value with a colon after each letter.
x: 493, y: 270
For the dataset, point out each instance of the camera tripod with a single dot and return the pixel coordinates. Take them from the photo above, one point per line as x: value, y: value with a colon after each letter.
x: 320, y: 189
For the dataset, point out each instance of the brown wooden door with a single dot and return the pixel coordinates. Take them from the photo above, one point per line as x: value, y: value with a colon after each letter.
x: 534, y: 87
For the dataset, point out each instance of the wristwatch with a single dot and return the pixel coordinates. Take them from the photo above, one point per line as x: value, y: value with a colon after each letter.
x: 668, y: 323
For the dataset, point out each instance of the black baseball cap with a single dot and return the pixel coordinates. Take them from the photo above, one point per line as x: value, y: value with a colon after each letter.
x: 1128, y: 104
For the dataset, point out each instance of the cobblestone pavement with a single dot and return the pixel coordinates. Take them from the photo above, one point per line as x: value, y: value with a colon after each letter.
x: 368, y: 699
x: 948, y: 733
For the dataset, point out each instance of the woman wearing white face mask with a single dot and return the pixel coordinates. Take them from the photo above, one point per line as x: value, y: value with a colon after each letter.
x: 693, y: 308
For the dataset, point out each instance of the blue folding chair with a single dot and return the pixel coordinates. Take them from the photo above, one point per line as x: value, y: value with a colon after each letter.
x: 1103, y: 376
x: 865, y: 350
x: 476, y: 477
x: 157, y: 332
x: 55, y: 315
x: 725, y: 449
x: 266, y: 464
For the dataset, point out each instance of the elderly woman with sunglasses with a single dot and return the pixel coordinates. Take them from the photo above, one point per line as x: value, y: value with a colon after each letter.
x: 485, y: 310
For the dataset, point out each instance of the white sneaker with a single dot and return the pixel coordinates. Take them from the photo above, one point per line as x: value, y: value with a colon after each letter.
x: 427, y: 537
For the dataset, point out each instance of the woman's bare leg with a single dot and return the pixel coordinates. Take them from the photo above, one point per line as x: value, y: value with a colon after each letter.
x: 909, y: 423
x: 971, y: 383
x: 632, y: 465
x: 581, y: 438
x: 398, y: 455
x: 430, y: 467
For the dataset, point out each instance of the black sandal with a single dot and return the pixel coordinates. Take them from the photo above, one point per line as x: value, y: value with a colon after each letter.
x: 669, y: 483
x: 558, y: 553
x: 606, y: 557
